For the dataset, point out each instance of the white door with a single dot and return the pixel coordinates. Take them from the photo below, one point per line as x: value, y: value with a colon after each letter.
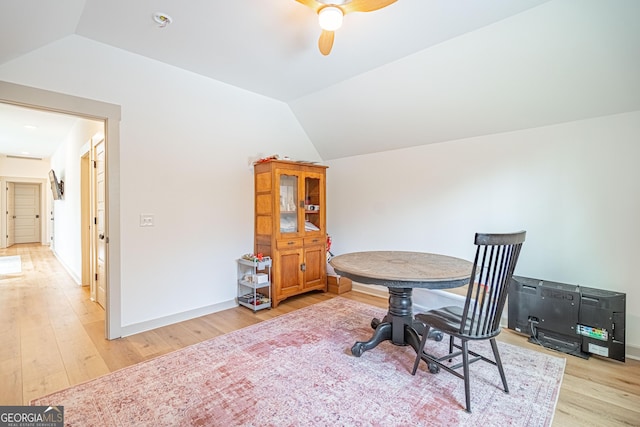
x: 100, y: 230
x: 27, y: 213
x: 11, y: 215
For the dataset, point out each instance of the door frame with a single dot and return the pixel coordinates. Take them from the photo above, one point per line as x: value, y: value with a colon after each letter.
x: 44, y: 207
x: 36, y: 237
x: 30, y: 97
x: 85, y: 223
x: 88, y: 208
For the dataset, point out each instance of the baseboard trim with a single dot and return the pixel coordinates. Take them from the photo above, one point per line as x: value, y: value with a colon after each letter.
x: 176, y: 318
x: 377, y: 291
x: 632, y: 352
x: 73, y: 275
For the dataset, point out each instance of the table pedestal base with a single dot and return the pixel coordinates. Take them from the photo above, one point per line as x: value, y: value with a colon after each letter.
x: 398, y: 326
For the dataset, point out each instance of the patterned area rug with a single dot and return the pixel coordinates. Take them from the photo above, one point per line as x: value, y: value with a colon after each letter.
x: 10, y: 264
x: 297, y: 370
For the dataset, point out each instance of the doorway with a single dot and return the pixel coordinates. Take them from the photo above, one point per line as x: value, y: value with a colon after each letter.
x: 109, y: 113
x: 26, y: 213
x: 93, y: 218
x: 22, y: 201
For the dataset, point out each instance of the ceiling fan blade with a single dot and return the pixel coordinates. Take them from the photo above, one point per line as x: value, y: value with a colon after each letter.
x: 326, y: 42
x: 365, y: 5
x: 313, y: 4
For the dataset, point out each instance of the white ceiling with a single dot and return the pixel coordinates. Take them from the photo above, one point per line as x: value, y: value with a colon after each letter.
x: 32, y: 133
x: 415, y: 72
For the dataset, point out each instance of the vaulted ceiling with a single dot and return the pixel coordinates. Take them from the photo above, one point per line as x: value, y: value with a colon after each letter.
x: 413, y: 73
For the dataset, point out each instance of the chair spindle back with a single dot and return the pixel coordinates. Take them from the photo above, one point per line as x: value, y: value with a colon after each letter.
x: 494, y: 264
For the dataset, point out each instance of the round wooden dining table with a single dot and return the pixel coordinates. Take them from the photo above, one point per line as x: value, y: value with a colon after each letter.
x: 400, y: 272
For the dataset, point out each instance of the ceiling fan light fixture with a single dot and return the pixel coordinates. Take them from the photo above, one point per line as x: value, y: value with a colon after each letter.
x: 330, y: 18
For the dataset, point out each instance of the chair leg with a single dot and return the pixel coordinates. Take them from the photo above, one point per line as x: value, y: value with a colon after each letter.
x: 450, y: 345
x: 423, y: 341
x: 496, y: 355
x: 465, y: 369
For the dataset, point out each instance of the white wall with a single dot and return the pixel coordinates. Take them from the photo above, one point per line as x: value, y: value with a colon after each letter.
x: 573, y: 187
x: 66, y: 211
x: 185, y: 148
x: 29, y: 168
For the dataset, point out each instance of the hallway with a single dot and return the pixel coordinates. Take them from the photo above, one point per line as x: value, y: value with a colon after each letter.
x: 46, y: 325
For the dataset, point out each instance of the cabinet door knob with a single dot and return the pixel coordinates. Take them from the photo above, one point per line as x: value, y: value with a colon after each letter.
x: 290, y: 243
x: 303, y: 267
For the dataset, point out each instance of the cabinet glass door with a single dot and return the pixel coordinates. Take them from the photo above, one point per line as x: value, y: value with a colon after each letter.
x: 312, y: 203
x: 288, y: 204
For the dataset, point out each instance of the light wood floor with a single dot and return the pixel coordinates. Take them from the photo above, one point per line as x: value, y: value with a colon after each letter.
x: 52, y: 336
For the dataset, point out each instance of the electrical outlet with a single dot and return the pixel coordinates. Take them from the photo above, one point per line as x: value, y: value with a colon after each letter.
x: 146, y: 220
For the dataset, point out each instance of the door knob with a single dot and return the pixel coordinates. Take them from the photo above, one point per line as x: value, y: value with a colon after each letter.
x: 101, y: 236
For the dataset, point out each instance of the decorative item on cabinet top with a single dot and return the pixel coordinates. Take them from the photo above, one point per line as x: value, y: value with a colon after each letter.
x: 282, y: 158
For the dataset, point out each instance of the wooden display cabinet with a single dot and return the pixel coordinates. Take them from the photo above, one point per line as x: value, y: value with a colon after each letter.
x: 290, y: 225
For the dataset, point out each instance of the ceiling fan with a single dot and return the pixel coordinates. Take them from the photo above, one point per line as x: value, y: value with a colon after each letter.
x: 330, y: 13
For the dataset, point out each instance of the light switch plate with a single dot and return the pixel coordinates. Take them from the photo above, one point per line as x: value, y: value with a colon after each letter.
x: 146, y: 220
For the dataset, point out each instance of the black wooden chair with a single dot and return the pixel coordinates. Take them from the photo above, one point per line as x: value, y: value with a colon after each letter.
x: 479, y: 319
